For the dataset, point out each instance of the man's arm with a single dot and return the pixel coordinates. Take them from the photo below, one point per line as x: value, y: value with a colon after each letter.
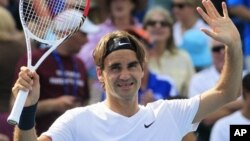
x: 229, y: 85
x: 27, y: 80
x: 28, y: 135
x: 223, y: 111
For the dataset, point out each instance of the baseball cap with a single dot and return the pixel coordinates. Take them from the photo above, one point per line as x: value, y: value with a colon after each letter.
x: 197, y: 44
x: 72, y: 18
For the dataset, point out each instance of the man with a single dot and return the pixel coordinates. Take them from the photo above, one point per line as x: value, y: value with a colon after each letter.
x: 120, y: 60
x: 153, y: 86
x: 221, y: 129
x: 63, y: 77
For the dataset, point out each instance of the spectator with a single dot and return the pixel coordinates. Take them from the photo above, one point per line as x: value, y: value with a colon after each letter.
x: 210, y: 75
x: 164, y: 54
x: 221, y: 129
x: 184, y: 12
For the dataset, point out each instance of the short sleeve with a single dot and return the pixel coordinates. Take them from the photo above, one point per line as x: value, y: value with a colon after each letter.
x: 184, y: 111
x: 62, y: 129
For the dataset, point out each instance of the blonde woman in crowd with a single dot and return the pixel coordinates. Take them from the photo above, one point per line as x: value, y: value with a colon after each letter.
x: 165, y: 57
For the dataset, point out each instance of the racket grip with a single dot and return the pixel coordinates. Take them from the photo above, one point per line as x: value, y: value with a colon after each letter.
x: 17, y: 109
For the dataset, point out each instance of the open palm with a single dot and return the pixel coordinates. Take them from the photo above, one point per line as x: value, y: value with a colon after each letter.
x: 222, y: 27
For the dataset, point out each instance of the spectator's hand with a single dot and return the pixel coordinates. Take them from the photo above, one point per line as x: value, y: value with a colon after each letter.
x: 147, y: 97
x: 222, y: 27
x: 66, y: 102
x: 27, y: 81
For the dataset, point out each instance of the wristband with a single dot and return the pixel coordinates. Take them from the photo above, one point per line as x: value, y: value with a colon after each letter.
x: 27, y: 119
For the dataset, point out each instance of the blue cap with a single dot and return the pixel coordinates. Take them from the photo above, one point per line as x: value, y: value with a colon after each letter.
x: 197, y: 44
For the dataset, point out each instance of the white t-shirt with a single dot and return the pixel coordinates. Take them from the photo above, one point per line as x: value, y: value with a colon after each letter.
x: 221, y: 129
x: 161, y: 120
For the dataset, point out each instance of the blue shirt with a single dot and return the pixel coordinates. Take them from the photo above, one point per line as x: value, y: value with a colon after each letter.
x: 161, y: 86
x: 246, y: 24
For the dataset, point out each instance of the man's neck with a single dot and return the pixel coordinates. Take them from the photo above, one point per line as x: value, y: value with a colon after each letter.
x: 125, y: 108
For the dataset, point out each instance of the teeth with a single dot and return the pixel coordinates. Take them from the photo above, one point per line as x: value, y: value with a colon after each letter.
x: 127, y: 84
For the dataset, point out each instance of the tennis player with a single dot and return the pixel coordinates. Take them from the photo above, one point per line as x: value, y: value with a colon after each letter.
x: 120, y: 60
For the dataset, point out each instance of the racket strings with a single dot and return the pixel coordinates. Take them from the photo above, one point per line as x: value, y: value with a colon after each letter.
x: 52, y: 19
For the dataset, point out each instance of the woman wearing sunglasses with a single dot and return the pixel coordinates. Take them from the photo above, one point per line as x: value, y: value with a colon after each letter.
x: 165, y: 57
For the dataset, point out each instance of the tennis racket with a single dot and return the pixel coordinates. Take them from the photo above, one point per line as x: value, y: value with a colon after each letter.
x: 49, y: 22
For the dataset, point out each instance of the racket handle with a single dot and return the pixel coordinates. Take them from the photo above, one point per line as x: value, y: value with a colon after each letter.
x: 17, y: 109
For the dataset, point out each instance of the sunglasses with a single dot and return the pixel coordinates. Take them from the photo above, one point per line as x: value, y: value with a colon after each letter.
x: 161, y: 23
x: 179, y: 5
x: 218, y: 48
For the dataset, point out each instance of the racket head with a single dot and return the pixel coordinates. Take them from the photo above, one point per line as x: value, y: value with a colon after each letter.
x: 48, y: 21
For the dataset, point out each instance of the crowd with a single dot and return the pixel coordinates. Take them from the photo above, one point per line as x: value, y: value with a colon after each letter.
x: 182, y: 61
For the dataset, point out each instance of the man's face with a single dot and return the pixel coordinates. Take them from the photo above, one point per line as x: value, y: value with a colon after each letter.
x: 122, y: 75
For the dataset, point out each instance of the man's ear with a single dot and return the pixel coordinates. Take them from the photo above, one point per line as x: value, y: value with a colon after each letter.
x: 99, y: 74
